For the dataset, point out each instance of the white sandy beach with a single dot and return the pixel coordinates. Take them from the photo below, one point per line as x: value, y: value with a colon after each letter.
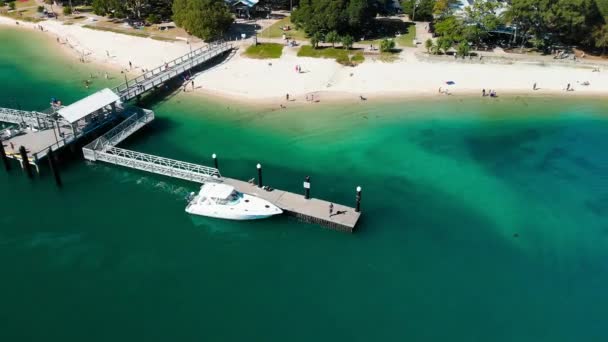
x: 251, y: 80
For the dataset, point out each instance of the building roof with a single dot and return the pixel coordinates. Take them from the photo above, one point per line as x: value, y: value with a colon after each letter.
x: 248, y: 3
x: 88, y: 105
x: 216, y: 190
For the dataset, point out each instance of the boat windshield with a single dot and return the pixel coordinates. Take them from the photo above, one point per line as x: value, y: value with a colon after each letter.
x: 232, y: 199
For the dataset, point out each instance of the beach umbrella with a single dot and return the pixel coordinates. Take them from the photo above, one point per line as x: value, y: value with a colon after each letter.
x: 450, y: 83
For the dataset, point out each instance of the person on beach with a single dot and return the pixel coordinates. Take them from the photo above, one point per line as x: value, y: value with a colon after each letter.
x: 286, y: 97
x: 192, y: 84
x: 568, y: 87
x: 12, y: 146
x: 483, y: 93
x: 534, y: 86
x: 440, y: 90
x: 331, y: 209
x: 130, y: 65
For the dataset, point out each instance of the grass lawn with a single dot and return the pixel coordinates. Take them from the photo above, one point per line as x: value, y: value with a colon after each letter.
x: 25, y: 11
x: 274, y: 31
x: 407, y: 38
x: 390, y: 28
x: 264, y: 50
x: 130, y: 32
x: 342, y: 56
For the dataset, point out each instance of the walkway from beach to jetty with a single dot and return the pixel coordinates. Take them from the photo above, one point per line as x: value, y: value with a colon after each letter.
x: 60, y: 126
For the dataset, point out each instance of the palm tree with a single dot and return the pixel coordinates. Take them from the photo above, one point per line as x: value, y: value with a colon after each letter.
x: 428, y: 45
x: 347, y: 42
x: 332, y: 37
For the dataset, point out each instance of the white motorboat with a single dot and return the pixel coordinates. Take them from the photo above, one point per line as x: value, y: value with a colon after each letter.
x: 223, y: 201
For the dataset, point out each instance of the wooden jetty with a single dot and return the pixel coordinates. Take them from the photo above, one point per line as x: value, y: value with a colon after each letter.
x: 42, y: 133
x: 309, y: 210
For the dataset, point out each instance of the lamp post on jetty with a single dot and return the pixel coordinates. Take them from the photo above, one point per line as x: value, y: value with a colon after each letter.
x: 214, y: 156
x: 259, y: 167
x: 358, y: 207
x: 307, y: 187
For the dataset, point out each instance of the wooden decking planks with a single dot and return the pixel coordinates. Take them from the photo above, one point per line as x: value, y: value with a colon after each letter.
x: 312, y: 210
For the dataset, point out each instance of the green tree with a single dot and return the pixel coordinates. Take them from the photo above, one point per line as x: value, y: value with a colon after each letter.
x: 115, y: 8
x: 443, y: 8
x: 463, y: 49
x: 332, y: 37
x: 153, y: 18
x: 600, y: 36
x: 428, y: 44
x: 315, y: 39
x: 67, y: 10
x: 444, y: 44
x: 479, y: 19
x: 435, y: 49
x: 136, y: 7
x: 12, y: 6
x: 387, y: 45
x: 423, y: 9
x: 343, y: 16
x: 451, y: 28
x: 207, y: 19
x: 550, y: 21
x: 347, y: 42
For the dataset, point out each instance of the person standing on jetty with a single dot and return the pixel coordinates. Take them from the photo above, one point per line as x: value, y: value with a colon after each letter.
x: 331, y: 209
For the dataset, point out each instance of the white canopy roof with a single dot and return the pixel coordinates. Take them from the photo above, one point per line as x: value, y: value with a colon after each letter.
x: 88, y: 105
x: 216, y: 190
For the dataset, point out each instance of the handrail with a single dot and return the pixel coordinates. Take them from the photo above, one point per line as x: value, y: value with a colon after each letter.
x: 131, y: 88
x: 159, y: 165
x: 120, y: 131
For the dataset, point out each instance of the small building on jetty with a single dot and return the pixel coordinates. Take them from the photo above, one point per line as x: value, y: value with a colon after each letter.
x: 58, y: 126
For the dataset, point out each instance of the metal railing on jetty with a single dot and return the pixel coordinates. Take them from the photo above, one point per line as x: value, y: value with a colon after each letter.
x: 29, y: 118
x: 103, y: 149
x: 120, y: 132
x: 156, y: 77
x: 159, y: 165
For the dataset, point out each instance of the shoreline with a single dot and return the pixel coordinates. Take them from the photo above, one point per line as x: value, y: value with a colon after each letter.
x: 249, y: 82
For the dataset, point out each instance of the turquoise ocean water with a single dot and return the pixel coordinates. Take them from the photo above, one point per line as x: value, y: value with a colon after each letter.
x: 483, y: 221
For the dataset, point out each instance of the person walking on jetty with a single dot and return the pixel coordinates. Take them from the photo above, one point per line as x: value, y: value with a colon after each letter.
x: 331, y: 209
